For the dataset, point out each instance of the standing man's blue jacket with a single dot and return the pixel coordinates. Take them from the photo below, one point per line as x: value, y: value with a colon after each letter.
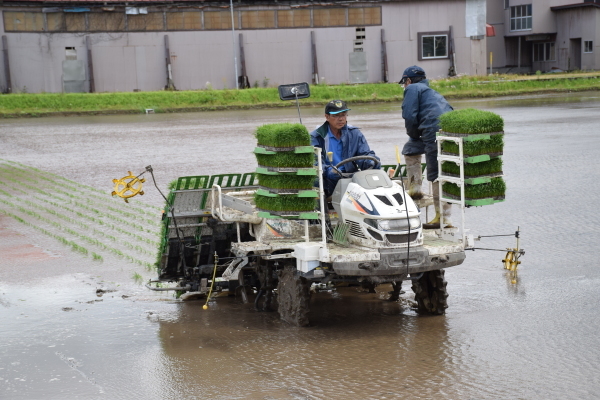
x: 421, y: 110
x: 353, y: 144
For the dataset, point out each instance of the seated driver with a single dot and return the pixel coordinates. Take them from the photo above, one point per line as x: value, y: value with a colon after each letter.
x: 343, y: 141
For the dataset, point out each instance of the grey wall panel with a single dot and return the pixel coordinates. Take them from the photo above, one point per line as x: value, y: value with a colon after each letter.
x: 109, y: 64
x: 283, y: 57
x: 2, y: 70
x: 128, y: 61
x: 203, y: 58
x: 372, y: 46
x: 358, y: 67
x: 333, y: 46
x: 28, y: 64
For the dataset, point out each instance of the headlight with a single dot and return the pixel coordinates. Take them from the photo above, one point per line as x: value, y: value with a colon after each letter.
x: 394, y: 225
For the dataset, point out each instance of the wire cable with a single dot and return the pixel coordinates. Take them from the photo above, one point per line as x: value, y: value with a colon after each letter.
x: 212, y: 283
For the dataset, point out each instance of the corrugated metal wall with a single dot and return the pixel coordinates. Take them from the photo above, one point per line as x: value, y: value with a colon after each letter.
x: 127, y: 61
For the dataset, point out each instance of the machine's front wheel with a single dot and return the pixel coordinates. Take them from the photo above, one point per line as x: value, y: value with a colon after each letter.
x: 293, y: 296
x: 430, y: 293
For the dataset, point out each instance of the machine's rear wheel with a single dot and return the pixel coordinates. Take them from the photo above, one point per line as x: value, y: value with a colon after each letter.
x: 293, y: 297
x: 430, y: 293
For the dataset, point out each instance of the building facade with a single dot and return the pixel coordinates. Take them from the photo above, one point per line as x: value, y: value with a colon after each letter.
x: 113, y: 46
x: 544, y: 35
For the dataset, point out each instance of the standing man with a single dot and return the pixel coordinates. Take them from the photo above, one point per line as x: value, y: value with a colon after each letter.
x: 343, y: 141
x: 421, y: 110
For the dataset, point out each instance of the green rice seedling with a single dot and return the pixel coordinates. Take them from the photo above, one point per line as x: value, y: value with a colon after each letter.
x: 97, y: 257
x: 287, y: 159
x: 285, y: 203
x: 495, y: 188
x: 286, y: 181
x: 477, y: 169
x: 79, y: 248
x: 283, y: 135
x: 493, y: 145
x: 12, y: 187
x: 471, y: 121
x: 137, y: 278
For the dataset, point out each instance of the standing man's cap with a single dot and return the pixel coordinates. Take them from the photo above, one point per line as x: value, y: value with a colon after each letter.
x: 336, y: 107
x: 412, y: 72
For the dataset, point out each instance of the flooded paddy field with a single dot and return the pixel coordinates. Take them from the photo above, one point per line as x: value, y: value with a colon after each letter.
x: 78, y: 324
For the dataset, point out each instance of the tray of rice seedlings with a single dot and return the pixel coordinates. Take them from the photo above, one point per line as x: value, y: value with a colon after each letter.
x: 284, y: 147
x: 474, y: 173
x: 284, y: 136
x: 482, y: 133
x: 298, y: 158
x: 286, y: 182
x: 287, y: 206
x: 477, y: 195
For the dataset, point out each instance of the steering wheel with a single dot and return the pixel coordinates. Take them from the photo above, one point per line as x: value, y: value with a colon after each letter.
x: 355, y: 158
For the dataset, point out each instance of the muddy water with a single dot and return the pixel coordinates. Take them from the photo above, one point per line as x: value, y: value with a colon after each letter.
x: 537, y: 339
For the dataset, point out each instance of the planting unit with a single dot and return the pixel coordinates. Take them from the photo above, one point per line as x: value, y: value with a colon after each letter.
x: 285, y: 173
x: 470, y: 146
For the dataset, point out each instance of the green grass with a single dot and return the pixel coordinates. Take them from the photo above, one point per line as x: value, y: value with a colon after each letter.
x: 283, y: 135
x: 483, y: 168
x: 495, y: 188
x: 287, y: 159
x: 471, y: 121
x: 285, y: 203
x: 25, y: 104
x: 495, y: 144
x: 286, y: 181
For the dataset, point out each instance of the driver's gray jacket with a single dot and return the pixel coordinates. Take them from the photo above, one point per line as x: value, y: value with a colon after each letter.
x: 353, y: 144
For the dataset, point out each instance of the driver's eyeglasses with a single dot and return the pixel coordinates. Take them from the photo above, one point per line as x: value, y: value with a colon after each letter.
x: 339, y: 116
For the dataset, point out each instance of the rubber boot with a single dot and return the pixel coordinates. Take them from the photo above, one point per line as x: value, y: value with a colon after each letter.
x: 446, y: 210
x: 415, y: 176
x: 447, y: 213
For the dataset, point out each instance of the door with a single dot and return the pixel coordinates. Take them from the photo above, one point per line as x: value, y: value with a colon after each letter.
x: 575, y: 55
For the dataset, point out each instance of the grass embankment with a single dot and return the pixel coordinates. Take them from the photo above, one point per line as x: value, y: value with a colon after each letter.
x: 31, y: 105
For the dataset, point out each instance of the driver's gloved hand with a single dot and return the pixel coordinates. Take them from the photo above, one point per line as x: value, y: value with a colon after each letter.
x: 330, y: 173
x: 368, y: 164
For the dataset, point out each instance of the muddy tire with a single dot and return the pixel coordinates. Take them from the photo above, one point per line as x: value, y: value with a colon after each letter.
x: 293, y: 297
x: 430, y: 293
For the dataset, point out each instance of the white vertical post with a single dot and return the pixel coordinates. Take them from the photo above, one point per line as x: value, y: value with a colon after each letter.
x: 321, y: 196
x: 233, y: 44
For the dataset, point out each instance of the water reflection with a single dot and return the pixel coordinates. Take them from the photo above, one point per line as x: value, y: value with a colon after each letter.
x: 535, y: 339
x: 360, y: 345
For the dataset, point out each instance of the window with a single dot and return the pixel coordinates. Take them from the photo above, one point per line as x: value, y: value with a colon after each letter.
x: 70, y: 53
x: 520, y: 18
x: 219, y: 20
x: 433, y: 45
x: 588, y: 46
x: 329, y: 17
x: 186, y: 20
x: 293, y: 18
x: 506, y: 5
x: 105, y: 22
x: 364, y: 16
x: 258, y: 19
x: 544, y: 51
x: 360, y: 39
x: 146, y: 22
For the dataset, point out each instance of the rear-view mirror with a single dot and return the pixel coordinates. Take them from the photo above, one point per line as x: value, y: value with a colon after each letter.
x: 294, y: 91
